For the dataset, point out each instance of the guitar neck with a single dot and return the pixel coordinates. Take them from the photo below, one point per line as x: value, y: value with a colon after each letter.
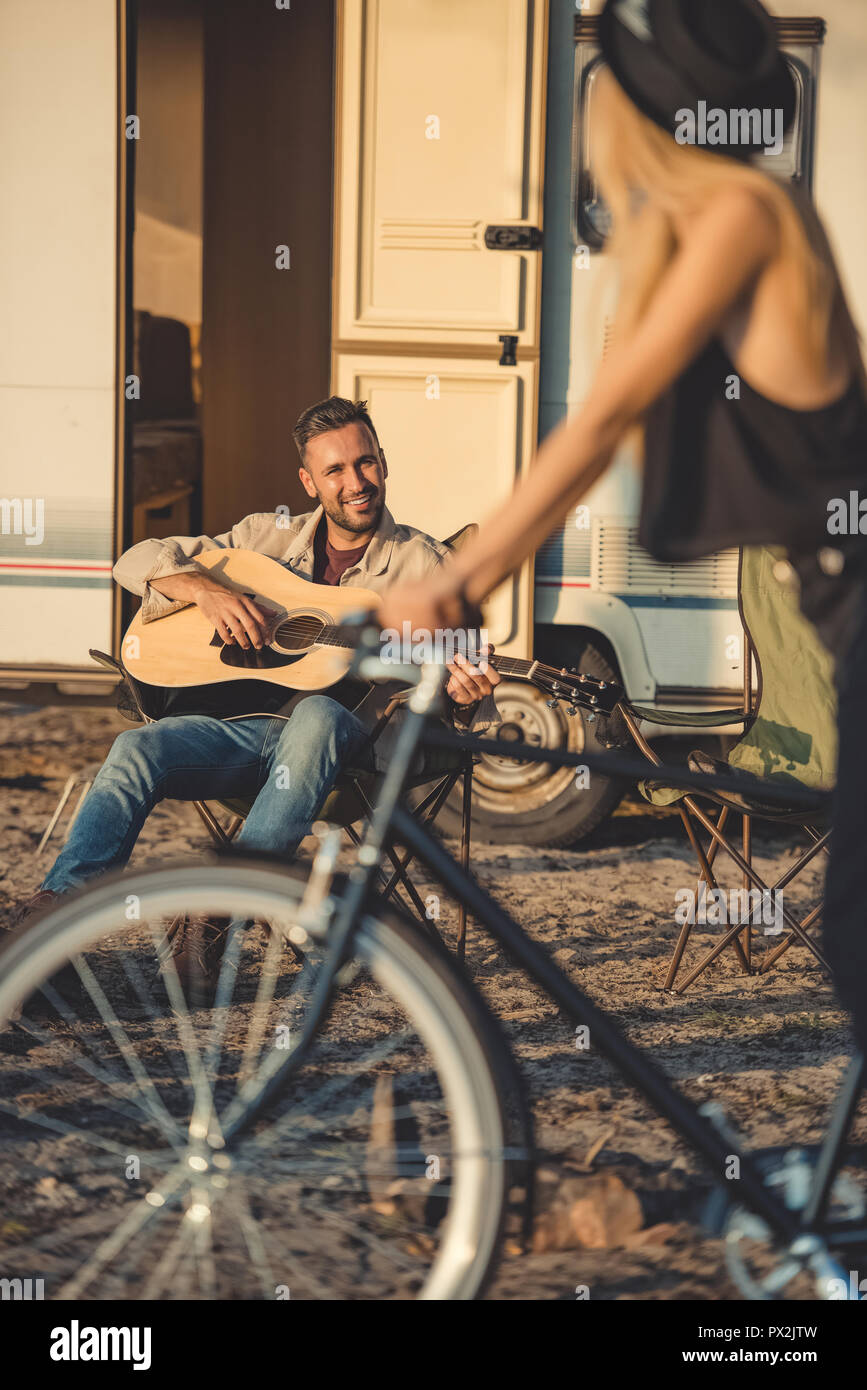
x: 506, y: 665
x: 587, y: 691
x: 512, y: 666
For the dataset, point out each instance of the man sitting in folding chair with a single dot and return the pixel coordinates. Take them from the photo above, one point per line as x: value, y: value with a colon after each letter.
x: 242, y: 739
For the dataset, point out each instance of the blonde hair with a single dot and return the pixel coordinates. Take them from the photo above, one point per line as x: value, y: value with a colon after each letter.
x: 631, y: 154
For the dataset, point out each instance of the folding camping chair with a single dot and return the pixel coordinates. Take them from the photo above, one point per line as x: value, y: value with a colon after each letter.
x: 789, y: 736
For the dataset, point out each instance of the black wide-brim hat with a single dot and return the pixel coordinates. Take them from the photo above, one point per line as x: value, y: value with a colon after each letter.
x: 668, y: 55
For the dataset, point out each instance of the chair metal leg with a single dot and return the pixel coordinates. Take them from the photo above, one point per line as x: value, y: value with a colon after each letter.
x: 705, y: 858
x: 215, y: 829
x: 355, y: 838
x: 782, y: 946
x: 64, y: 797
x: 426, y: 811
x: 820, y: 843
x: 707, y: 876
x: 466, y: 824
x: 83, y: 778
x: 747, y: 850
x: 390, y: 885
x: 798, y: 929
x: 434, y: 802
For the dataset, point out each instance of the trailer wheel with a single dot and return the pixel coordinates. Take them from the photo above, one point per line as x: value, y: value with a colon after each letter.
x: 534, y: 803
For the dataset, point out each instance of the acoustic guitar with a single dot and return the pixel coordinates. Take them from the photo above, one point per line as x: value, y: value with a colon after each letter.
x: 309, y: 648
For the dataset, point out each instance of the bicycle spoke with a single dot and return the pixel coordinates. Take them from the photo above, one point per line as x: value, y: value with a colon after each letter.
x: 60, y: 1127
x: 329, y: 1092
x: 253, y: 1240
x: 264, y: 995
x: 110, y: 1080
x: 149, y: 1004
x: 225, y: 988
x: 145, y: 1210
x: 204, y: 1117
x: 154, y: 1105
x: 167, y: 1264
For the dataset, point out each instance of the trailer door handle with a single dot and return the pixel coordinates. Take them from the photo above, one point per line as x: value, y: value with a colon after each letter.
x: 506, y: 238
x: 507, y: 356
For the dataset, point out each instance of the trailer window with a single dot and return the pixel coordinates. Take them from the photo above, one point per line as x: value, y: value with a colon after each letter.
x: 592, y: 220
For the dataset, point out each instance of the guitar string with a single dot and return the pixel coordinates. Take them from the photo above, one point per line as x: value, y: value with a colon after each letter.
x: 307, y: 630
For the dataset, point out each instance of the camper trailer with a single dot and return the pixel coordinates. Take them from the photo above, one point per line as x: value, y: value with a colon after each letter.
x: 219, y: 213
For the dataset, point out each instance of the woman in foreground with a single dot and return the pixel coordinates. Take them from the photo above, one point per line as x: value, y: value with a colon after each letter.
x: 725, y: 273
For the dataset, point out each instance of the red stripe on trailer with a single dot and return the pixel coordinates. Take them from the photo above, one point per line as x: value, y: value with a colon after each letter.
x: 562, y: 583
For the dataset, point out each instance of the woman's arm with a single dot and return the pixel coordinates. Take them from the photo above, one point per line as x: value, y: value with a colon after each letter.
x: 726, y: 247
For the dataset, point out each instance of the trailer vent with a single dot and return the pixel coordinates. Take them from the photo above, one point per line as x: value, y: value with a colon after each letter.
x: 621, y: 566
x: 566, y: 554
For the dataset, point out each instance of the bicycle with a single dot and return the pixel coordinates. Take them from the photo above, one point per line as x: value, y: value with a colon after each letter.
x: 351, y: 1122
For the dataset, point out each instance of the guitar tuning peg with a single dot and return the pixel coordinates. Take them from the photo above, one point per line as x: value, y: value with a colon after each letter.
x: 591, y: 717
x: 572, y: 710
x: 552, y: 704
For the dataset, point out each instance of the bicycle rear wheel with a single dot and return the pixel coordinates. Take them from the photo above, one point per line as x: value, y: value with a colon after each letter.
x: 381, y: 1171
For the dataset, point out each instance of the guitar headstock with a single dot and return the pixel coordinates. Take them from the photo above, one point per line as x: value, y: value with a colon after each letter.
x: 578, y: 690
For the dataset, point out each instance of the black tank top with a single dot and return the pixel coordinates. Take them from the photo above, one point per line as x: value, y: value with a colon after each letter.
x: 722, y: 472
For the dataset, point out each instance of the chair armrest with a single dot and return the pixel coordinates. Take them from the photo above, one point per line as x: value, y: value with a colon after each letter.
x: 127, y: 687
x: 393, y: 704
x: 690, y: 719
x: 104, y: 659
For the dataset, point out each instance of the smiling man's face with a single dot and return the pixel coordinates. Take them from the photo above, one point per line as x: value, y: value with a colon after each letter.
x: 346, y: 471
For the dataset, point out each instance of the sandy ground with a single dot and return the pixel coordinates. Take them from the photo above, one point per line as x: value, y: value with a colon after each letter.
x: 769, y: 1048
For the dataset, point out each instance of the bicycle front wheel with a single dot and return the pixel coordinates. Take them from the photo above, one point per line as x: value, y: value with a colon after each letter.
x: 381, y: 1170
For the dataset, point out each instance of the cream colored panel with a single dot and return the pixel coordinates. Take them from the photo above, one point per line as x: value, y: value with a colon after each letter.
x: 53, y: 626
x: 56, y: 440
x: 59, y: 131
x: 412, y: 210
x: 55, y: 568
x: 58, y: 157
x: 454, y: 434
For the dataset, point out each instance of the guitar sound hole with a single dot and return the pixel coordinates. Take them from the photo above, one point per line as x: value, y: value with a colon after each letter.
x: 298, y: 632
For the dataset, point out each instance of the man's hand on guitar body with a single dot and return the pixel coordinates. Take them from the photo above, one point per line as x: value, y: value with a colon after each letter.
x: 236, y: 618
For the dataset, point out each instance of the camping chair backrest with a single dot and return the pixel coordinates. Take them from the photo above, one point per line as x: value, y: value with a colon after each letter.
x: 793, y: 735
x: 459, y: 539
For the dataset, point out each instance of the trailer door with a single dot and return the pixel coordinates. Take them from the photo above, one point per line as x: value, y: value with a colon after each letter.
x: 440, y: 134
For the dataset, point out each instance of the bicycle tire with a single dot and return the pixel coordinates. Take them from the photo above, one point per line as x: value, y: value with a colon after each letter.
x: 487, y: 1117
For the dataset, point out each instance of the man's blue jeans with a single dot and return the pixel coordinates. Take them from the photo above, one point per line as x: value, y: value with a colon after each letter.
x: 288, y: 765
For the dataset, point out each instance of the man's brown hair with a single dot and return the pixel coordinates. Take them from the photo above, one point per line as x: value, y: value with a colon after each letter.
x: 331, y: 414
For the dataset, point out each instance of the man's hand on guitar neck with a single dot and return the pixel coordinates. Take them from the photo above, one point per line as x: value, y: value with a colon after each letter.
x: 468, y: 684
x: 236, y: 618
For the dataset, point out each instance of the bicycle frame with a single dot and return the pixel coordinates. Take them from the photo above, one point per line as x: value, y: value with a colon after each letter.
x: 700, y: 1127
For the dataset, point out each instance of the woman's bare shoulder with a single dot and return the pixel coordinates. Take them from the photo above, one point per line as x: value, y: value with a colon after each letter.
x: 733, y: 215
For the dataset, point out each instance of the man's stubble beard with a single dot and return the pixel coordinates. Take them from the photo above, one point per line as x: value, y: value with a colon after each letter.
x: 349, y: 521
